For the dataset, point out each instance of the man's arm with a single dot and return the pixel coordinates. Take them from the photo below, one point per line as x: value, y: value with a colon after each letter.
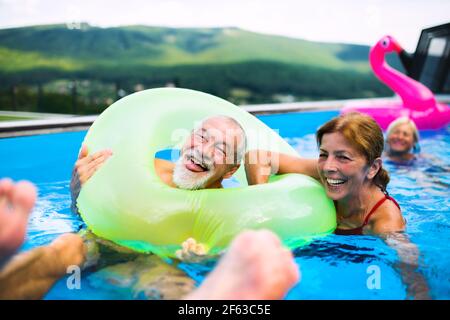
x: 75, y: 188
x: 260, y: 164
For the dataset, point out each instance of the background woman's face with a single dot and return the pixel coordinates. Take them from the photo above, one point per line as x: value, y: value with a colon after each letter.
x: 401, y: 139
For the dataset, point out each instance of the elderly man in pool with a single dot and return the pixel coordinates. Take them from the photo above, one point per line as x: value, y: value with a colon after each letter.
x: 212, y: 153
x: 266, y: 269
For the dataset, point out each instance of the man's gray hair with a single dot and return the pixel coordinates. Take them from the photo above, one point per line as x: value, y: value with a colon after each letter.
x: 241, y: 147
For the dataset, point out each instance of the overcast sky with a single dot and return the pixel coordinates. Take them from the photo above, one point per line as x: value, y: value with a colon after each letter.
x: 348, y: 21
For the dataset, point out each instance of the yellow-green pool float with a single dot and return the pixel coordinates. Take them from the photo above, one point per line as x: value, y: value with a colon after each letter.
x: 126, y: 202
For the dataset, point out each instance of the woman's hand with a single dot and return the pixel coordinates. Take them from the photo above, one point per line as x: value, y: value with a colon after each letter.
x: 260, y: 164
x: 258, y: 167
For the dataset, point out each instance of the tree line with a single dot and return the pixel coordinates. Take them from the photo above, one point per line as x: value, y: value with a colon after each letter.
x: 91, y: 91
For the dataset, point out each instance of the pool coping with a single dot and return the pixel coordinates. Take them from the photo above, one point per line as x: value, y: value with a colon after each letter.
x: 20, y: 128
x: 65, y: 123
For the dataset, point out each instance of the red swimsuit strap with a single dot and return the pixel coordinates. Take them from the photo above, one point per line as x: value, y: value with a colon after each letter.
x: 359, y: 230
x: 377, y: 205
x: 393, y: 200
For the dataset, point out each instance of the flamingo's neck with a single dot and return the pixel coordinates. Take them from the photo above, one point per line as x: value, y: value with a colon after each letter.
x: 415, y: 95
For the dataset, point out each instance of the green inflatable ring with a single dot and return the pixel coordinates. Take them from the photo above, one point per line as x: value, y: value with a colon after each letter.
x: 126, y: 202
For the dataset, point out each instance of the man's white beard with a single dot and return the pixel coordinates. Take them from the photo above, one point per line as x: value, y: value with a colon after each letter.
x: 186, y: 179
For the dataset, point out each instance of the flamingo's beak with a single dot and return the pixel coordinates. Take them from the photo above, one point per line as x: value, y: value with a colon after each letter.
x: 397, y: 47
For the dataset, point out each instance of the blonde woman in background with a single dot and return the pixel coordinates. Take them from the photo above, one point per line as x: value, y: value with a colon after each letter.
x: 402, y: 141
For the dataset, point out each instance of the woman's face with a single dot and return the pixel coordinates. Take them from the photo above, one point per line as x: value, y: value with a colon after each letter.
x: 342, y: 169
x: 401, y: 139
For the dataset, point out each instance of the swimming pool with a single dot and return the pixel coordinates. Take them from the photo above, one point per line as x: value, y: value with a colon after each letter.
x: 334, y: 267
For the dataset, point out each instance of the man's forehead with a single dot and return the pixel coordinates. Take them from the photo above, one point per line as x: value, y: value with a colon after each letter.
x: 215, y: 122
x: 216, y: 127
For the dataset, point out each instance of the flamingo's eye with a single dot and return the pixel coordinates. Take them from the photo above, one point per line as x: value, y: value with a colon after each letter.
x: 385, y: 43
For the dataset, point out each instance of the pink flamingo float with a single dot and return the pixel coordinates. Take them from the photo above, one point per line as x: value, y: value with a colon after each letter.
x: 418, y: 102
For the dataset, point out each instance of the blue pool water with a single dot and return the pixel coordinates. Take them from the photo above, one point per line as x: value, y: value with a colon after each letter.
x: 334, y: 267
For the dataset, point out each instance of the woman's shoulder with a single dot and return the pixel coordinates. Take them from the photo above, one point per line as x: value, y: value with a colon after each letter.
x: 387, y: 218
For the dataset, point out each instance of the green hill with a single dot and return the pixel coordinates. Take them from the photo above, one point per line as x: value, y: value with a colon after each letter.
x: 78, y: 49
x: 242, y: 66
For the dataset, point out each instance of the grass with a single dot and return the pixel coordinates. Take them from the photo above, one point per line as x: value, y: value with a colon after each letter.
x: 13, y: 118
x: 16, y: 60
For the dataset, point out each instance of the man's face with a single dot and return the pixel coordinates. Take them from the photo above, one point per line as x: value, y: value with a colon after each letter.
x: 208, y: 155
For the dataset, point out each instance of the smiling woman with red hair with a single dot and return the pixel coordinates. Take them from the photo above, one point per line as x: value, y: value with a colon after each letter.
x: 351, y: 170
x: 349, y: 167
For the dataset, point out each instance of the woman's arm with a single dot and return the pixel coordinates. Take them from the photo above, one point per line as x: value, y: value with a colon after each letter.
x: 389, y: 225
x: 260, y: 164
x: 408, y: 253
